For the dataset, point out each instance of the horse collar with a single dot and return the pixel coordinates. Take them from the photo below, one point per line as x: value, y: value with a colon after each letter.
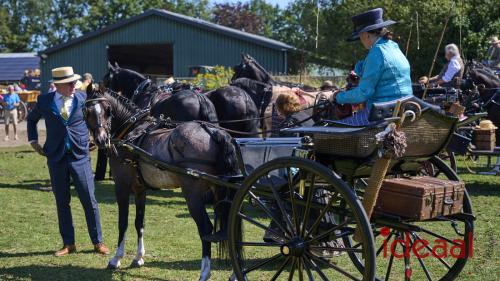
x: 125, y: 127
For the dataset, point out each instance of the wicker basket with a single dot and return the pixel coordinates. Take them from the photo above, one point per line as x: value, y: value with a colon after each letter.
x: 425, y: 137
x: 359, y: 145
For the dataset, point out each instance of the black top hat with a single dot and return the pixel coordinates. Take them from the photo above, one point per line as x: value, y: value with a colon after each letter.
x: 369, y: 20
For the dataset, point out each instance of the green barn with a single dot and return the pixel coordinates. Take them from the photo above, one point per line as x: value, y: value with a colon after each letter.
x: 160, y: 43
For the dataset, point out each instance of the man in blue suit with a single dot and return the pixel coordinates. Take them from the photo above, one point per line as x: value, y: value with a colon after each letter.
x: 67, y: 152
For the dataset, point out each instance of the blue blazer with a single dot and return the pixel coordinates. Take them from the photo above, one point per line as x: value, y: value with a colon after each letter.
x: 63, y: 136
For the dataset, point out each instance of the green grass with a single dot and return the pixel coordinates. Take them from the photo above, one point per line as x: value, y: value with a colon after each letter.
x: 29, y: 232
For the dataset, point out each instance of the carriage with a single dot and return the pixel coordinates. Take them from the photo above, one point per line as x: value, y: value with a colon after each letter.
x: 297, y: 211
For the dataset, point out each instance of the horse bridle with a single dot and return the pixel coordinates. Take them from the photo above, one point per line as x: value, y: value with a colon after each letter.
x: 140, y: 88
x: 107, y: 125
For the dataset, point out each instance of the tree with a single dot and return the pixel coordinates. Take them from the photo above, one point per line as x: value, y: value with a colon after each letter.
x: 237, y: 16
x: 478, y: 20
x: 19, y: 21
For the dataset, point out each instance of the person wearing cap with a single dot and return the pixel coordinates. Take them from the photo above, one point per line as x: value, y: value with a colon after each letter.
x: 453, y: 70
x: 67, y: 151
x: 10, y: 103
x: 493, y: 54
x: 385, y: 70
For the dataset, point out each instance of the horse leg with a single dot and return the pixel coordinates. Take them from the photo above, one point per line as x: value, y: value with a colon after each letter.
x: 123, y: 207
x: 140, y: 205
x: 194, y: 198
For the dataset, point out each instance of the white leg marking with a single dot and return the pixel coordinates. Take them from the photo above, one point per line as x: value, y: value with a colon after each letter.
x: 120, y: 252
x: 205, y: 269
x: 139, y: 261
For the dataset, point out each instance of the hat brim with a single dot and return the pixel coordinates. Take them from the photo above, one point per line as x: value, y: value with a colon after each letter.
x: 355, y: 35
x: 75, y: 77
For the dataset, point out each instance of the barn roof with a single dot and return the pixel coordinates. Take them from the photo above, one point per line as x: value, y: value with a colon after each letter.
x: 245, y: 36
x: 13, y: 65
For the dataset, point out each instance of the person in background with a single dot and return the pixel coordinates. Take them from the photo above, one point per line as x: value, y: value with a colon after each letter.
x: 385, y: 70
x: 327, y: 86
x: 289, y: 107
x: 452, y: 71
x: 67, y: 151
x: 86, y: 80
x: 493, y: 54
x: 10, y: 103
x: 17, y: 88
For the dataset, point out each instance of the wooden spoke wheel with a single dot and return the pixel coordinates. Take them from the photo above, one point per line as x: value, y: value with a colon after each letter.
x: 435, y: 249
x: 294, y: 229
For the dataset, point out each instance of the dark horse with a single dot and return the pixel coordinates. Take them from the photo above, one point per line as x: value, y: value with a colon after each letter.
x: 250, y: 68
x: 225, y: 104
x: 184, y: 105
x: 488, y: 85
x: 190, y: 145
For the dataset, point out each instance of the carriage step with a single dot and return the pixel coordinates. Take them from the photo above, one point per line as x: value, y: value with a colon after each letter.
x: 219, y: 236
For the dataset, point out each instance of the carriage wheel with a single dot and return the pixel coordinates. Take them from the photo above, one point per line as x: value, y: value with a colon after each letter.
x: 424, y: 262
x: 22, y: 112
x: 294, y: 229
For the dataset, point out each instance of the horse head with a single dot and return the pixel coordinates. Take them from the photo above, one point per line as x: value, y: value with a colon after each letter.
x: 98, y: 114
x: 250, y: 68
x: 122, y: 80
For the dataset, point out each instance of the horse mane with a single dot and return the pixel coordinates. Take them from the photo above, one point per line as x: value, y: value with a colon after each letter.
x: 123, y: 108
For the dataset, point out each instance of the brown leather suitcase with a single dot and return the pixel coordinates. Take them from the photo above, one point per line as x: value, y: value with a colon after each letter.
x: 420, y: 198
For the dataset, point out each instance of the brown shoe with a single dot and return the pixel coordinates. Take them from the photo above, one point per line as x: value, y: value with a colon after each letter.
x: 66, y: 249
x: 101, y: 249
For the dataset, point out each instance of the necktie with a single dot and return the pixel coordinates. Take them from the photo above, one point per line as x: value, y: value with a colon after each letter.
x: 64, y: 108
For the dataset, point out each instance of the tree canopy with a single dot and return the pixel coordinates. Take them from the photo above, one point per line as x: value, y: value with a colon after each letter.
x: 29, y: 25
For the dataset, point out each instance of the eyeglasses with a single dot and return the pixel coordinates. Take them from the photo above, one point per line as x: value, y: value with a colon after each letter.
x: 71, y: 84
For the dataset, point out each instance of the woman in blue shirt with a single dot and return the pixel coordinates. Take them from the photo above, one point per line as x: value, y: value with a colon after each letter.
x: 385, y: 70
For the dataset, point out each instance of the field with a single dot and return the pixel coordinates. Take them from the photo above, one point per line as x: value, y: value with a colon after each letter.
x: 29, y: 233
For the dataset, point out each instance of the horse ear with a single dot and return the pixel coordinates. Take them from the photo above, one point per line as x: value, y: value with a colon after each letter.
x: 90, y: 89
x: 110, y: 66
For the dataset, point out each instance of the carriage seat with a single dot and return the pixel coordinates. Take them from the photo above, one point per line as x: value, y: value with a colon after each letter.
x: 383, y: 110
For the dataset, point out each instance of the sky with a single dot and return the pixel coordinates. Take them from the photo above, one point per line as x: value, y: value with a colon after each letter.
x: 281, y: 3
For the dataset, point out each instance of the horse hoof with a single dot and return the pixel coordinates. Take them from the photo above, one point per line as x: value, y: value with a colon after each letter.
x: 137, y: 263
x: 113, y: 266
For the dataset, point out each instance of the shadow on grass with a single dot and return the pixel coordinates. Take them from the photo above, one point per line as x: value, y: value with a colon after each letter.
x: 68, y: 272
x: 29, y: 254
x: 483, y: 189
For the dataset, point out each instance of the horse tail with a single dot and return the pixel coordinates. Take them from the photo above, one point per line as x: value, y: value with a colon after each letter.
x: 227, y: 164
x: 207, y: 109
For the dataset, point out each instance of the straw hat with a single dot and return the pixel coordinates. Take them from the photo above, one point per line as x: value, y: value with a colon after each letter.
x: 494, y: 40
x: 486, y: 125
x: 63, y: 75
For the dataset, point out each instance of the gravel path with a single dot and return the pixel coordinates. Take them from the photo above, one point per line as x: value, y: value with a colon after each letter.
x: 22, y: 133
